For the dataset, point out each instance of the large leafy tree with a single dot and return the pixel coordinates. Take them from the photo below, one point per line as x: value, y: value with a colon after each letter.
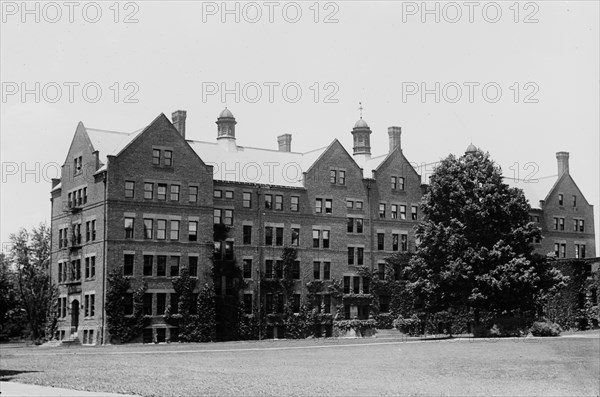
x: 30, y: 258
x: 476, y: 240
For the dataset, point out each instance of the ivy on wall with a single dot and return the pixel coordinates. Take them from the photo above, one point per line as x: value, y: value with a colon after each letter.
x: 124, y: 328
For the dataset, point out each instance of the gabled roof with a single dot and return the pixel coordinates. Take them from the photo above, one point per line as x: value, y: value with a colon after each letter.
x: 535, y: 189
x: 110, y: 143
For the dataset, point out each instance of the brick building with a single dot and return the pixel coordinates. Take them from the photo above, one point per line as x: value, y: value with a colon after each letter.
x: 146, y: 202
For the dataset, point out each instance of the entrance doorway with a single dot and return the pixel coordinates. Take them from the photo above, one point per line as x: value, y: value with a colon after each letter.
x: 74, y: 317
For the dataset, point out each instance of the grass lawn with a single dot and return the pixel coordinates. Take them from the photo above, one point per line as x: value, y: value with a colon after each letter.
x: 458, y: 367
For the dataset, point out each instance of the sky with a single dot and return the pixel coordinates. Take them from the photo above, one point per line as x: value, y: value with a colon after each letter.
x: 517, y: 79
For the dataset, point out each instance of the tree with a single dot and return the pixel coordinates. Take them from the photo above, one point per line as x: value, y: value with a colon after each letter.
x: 8, y: 299
x: 476, y: 240
x: 30, y: 256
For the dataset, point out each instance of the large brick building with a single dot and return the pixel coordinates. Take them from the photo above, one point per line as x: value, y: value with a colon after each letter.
x: 146, y: 202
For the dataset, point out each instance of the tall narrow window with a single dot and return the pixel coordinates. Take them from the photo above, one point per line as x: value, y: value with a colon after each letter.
x: 193, y: 266
x: 404, y: 242
x: 395, y: 242
x: 560, y: 199
x: 161, y: 192
x: 326, y: 238
x: 247, y: 200
x: 174, y: 230
x: 359, y: 225
x: 193, y: 194
x: 268, y: 201
x: 342, y: 177
x: 129, y: 189
x: 394, y: 183
x: 128, y: 264
x: 278, y: 203
x: 574, y: 201
x: 326, y: 270
x: 174, y: 192
x: 247, y: 268
x: 269, y: 235
x: 403, y: 212
x: 148, y: 229
x: 161, y: 266
x: 394, y: 211
x: 401, y: 183
x: 332, y: 176
x: 228, y: 220
x: 295, y: 238
x: 269, y: 268
x: 247, y: 234
x: 161, y: 229
x: 217, y: 216
x: 561, y: 223
x: 296, y: 270
x: 414, y: 212
x: 350, y: 227
x: 360, y: 256
x: 156, y: 156
x: 317, y: 270
x: 316, y: 238
x: 161, y: 303
x: 279, y: 236
x: 148, y: 190
x: 380, y: 241
x: 356, y: 285
x: 175, y: 266
x: 148, y: 259
x: 168, y: 157
x: 193, y: 231
x: 328, y: 206
x: 346, y: 284
x: 318, y: 206
x: 351, y: 255
x: 382, y: 211
x: 581, y: 225
x: 128, y: 227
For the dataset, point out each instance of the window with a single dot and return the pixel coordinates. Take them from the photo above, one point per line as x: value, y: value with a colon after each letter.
x: 574, y: 201
x: 279, y: 269
x: 161, y: 303
x: 382, y: 211
x: 268, y: 201
x: 561, y: 223
x: 295, y: 238
x: 349, y: 204
x: 77, y: 165
x: 326, y: 270
x: 148, y: 264
x: 366, y: 286
x: 380, y: 242
x: 269, y: 303
x: 192, y: 231
x: 148, y: 190
x: 414, y: 212
x: 247, y: 200
x: 394, y: 211
x: 174, y: 304
x: 381, y: 271
x: 395, y: 241
x: 317, y: 270
x: 356, y: 285
x: 296, y: 303
x: 555, y: 223
x: 129, y: 189
x: 90, y: 305
x: 319, y: 206
x: 342, y: 177
x: 556, y: 249
x: 193, y: 266
x: 295, y: 203
x: 360, y: 256
x: 560, y: 199
x: 351, y: 255
x: 148, y: 229
x: 193, y: 194
x: 563, y: 250
x: 247, y: 268
x: 155, y: 156
x: 228, y: 194
x: 327, y: 303
x: 128, y: 264
x: 279, y: 203
x: 575, y: 225
x: 384, y: 304
x: 76, y: 234
x: 359, y: 205
x: 161, y: 229
x: 161, y: 266
x: 161, y: 193
x: 346, y: 284
x: 174, y: 230
x: 326, y: 238
x: 90, y: 267
x: 359, y: 225
x: 404, y: 242
x: 88, y: 231
x: 350, y: 228
x: 403, y: 212
x: 316, y: 238
x: 217, y: 216
x: 247, y: 234
x: 269, y: 268
x: 228, y: 220
x: 168, y: 157
x: 279, y: 236
x: 579, y: 250
x: 328, y: 206
x: 228, y: 250
x: 581, y: 225
x: 175, y: 266
x: 248, y: 303
x: 128, y: 227
x: 174, y: 192
x: 394, y: 183
x: 401, y: 183
x: 296, y: 270
x: 332, y: 176
x: 268, y: 235
x: 217, y: 193
x: 93, y: 230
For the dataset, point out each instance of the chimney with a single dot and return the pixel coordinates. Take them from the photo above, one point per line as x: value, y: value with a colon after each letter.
x: 394, y: 133
x: 285, y: 142
x: 178, y: 118
x: 563, y: 163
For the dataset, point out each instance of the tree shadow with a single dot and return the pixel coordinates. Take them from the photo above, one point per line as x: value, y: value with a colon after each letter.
x: 7, y: 374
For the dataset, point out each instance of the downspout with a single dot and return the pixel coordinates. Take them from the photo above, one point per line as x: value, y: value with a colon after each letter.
x: 371, y: 226
x: 105, y: 250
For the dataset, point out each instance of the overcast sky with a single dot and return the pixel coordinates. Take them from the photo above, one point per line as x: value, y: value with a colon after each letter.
x: 520, y: 81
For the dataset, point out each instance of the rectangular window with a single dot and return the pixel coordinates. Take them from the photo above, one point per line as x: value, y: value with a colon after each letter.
x: 563, y: 250
x: 193, y: 194
x: 394, y: 211
x: 332, y: 176
x: 295, y: 203
x: 350, y: 228
x: 326, y: 238
x: 218, y: 193
x: 193, y: 231
x: 279, y: 236
x: 128, y: 264
x: 268, y: 235
x: 228, y: 220
x: 279, y: 269
x: 161, y: 266
x: 574, y: 201
x: 395, y: 242
x: 247, y: 268
x: 128, y: 227
x: 129, y: 189
x: 296, y: 303
x: 193, y: 266
x: 382, y: 211
x: 328, y: 206
x: 148, y: 229
x: 174, y: 304
x: 128, y: 304
x: 582, y: 250
x: 269, y: 268
x: 403, y: 212
x: 319, y: 206
x: 175, y: 192
x: 148, y: 191
x: 228, y: 250
x: 555, y: 223
x: 87, y: 267
x: 326, y: 270
x: 404, y: 242
x: 359, y: 225
x: 351, y: 255
x: 268, y: 201
x: 380, y: 242
x: 247, y: 200
x: 77, y: 165
x: 278, y: 203
x: 247, y: 234
x: 295, y: 238
x: 381, y: 271
x: 349, y: 204
x: 556, y: 249
x: 575, y: 225
x: 161, y: 192
x: 155, y: 156
x: 248, y: 303
x: 87, y: 231
x: 229, y: 194
x: 394, y: 183
x: 414, y: 212
x: 148, y: 264
x: 317, y: 270
x: 296, y: 270
x: 342, y: 177
x: 581, y: 225
x: 174, y: 230
x: 161, y: 229
x: 327, y: 303
x: 161, y: 303
x: 93, y: 226
x: 561, y: 223
x: 366, y: 285
x: 175, y: 266
x: 217, y: 213
x: 359, y: 205
x: 168, y: 157
x: 316, y: 238
x: 560, y: 199
x: 356, y: 285
x: 401, y: 183
x: 346, y: 284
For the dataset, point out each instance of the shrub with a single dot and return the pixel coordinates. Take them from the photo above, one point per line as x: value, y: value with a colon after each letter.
x: 545, y: 328
x: 408, y: 325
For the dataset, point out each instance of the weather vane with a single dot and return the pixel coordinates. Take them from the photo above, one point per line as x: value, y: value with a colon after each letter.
x: 360, y: 107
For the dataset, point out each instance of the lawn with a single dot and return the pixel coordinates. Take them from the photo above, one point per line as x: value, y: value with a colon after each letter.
x: 457, y: 367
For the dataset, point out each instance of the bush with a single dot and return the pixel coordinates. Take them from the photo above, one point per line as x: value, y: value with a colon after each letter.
x: 545, y: 328
x: 408, y: 325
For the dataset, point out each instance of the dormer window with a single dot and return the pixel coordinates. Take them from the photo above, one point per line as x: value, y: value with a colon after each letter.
x: 162, y: 156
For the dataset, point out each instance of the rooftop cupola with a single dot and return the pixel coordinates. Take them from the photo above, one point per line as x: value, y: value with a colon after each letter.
x: 362, y: 137
x: 226, y: 130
